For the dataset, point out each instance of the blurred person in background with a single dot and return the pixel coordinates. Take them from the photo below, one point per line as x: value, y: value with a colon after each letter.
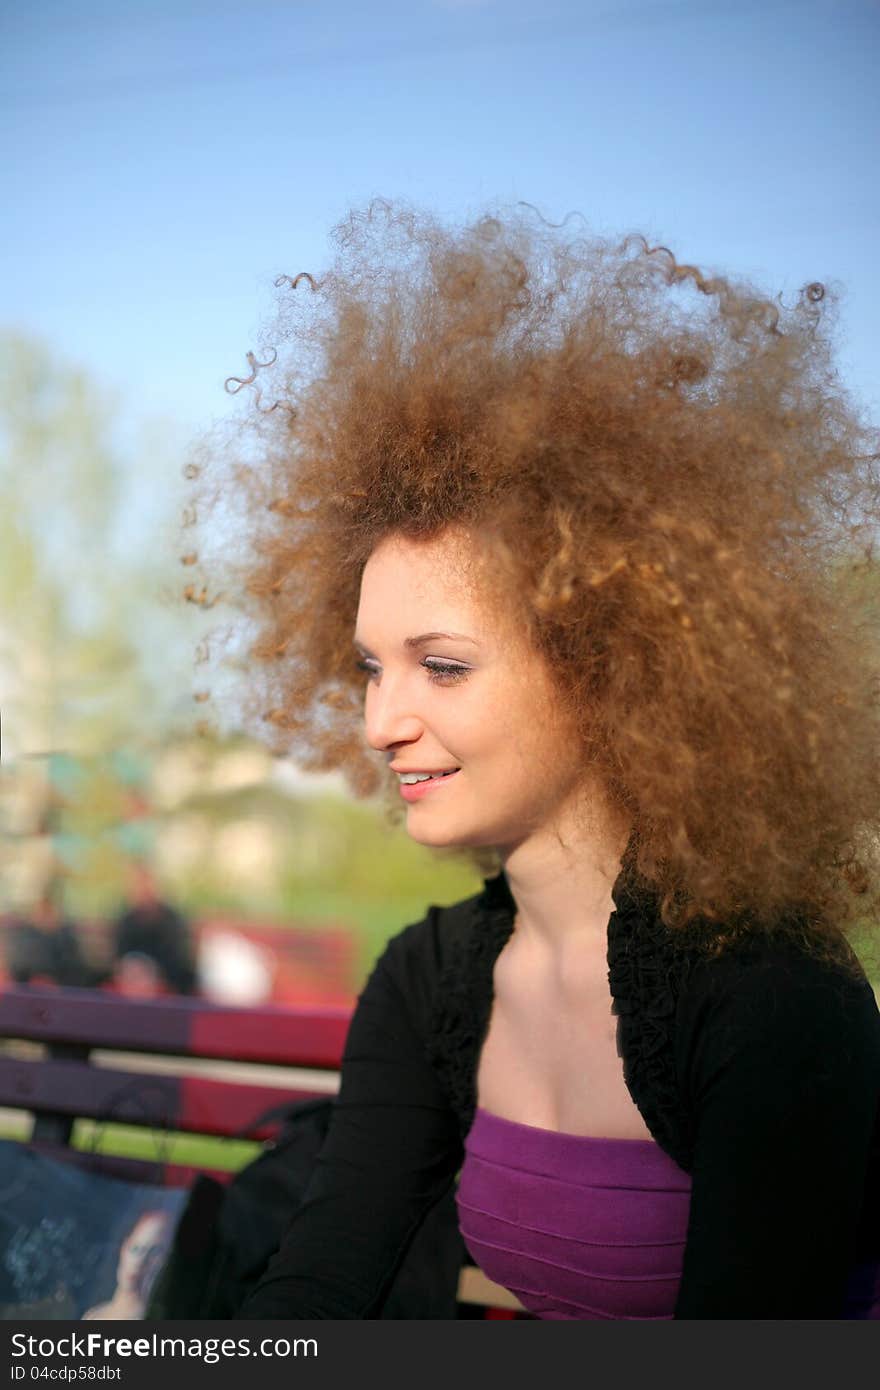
x: 44, y: 946
x: 545, y: 543
x: 151, y: 941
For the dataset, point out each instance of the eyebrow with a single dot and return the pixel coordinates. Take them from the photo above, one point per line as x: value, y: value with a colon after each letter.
x: 422, y: 640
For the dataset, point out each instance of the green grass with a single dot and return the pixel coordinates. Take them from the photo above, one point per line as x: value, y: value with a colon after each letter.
x: 161, y: 1146
x: 151, y: 1145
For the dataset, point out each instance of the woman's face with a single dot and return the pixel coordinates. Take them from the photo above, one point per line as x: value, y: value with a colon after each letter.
x: 478, y: 699
x: 141, y: 1252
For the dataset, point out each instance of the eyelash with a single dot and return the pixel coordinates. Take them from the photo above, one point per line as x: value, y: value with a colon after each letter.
x: 439, y: 673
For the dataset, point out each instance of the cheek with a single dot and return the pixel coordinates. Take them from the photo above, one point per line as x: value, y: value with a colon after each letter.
x: 538, y: 761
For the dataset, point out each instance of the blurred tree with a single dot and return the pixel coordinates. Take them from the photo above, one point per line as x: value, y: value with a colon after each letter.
x: 80, y: 578
x: 87, y: 644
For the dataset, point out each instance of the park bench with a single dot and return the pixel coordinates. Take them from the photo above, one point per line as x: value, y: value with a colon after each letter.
x: 172, y: 1065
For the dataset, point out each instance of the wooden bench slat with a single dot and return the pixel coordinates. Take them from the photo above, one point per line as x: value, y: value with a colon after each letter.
x: 197, y: 1105
x: 309, y: 1038
x: 476, y: 1287
x: 305, y: 1037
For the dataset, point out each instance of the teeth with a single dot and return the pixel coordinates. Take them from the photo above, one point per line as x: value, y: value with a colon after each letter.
x: 408, y: 777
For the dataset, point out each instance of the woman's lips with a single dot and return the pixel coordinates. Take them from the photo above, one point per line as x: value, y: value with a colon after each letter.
x: 414, y: 791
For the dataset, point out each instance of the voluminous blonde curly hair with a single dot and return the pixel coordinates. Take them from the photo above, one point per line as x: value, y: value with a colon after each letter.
x: 681, y: 500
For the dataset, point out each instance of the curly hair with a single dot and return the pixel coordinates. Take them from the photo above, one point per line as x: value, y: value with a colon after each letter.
x: 680, y: 499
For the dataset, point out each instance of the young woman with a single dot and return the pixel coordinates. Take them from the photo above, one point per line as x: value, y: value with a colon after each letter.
x: 559, y: 541
x: 140, y: 1256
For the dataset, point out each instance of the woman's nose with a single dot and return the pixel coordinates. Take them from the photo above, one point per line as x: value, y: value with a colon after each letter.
x: 390, y: 715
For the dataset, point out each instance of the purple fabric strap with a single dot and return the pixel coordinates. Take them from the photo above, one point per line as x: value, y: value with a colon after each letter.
x: 585, y: 1228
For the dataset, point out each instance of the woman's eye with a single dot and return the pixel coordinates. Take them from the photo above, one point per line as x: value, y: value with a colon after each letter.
x: 443, y: 672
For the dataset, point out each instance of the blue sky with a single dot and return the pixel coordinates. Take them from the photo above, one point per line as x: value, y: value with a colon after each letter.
x: 164, y: 160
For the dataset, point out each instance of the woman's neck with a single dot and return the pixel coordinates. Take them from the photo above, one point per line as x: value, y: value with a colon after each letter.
x: 563, y: 892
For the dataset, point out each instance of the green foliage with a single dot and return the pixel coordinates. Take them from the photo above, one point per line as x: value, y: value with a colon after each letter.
x: 75, y: 580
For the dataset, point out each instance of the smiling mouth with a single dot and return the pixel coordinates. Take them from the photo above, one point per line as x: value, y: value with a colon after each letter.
x: 414, y: 779
x: 414, y: 791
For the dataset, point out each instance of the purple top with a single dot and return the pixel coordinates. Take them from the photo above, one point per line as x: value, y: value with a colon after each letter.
x: 586, y: 1228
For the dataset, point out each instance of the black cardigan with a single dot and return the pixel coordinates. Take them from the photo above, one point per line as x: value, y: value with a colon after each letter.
x: 758, y: 1071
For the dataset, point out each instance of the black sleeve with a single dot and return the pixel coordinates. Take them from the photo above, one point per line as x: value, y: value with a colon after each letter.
x: 392, y: 1150
x: 781, y: 1059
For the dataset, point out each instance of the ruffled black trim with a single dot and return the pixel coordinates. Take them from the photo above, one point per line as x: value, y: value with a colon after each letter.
x: 465, y: 991
x: 647, y: 966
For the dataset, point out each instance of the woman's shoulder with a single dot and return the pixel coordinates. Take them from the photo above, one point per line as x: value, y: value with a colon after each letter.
x: 437, y: 946
x: 777, y: 959
x: 775, y: 989
x: 435, y: 940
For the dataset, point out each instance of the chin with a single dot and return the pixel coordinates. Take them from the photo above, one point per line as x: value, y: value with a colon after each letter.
x: 434, y: 839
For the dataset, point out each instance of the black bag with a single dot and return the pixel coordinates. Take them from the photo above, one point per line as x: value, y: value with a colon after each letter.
x: 228, y: 1233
